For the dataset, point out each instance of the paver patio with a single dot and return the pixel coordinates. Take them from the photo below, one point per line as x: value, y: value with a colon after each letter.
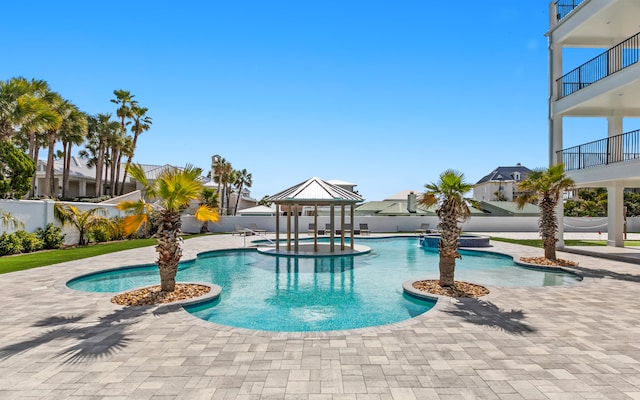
x: 572, y: 342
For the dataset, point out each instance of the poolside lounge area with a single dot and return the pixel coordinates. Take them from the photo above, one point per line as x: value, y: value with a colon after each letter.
x: 564, y: 342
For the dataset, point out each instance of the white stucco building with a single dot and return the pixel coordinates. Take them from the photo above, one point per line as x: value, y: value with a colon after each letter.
x: 607, y: 87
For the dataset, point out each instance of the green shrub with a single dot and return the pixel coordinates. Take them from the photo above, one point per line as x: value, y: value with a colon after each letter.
x: 100, y: 234
x: 30, y: 241
x: 10, y: 244
x: 51, y: 236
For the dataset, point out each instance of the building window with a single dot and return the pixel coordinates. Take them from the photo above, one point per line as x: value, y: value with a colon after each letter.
x: 516, y: 176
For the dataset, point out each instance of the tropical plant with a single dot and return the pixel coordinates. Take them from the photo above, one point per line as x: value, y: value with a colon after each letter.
x: 173, y: 189
x: 83, y: 221
x: 16, y: 171
x: 243, y: 178
x: 545, y: 188
x: 209, y: 198
x: 452, y: 207
x: 9, y: 221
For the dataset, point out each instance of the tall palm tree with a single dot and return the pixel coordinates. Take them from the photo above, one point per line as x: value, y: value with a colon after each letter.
x: 243, y: 178
x: 221, y: 170
x: 228, y: 180
x: 72, y: 131
x: 545, y: 187
x: 173, y: 191
x: 141, y: 123
x: 63, y: 108
x: 84, y: 221
x: 448, y: 194
x: 124, y: 99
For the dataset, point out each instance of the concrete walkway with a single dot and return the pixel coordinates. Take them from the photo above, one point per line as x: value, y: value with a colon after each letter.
x: 574, y: 342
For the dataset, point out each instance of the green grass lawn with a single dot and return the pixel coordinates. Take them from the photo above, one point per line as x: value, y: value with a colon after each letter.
x: 538, y: 242
x: 42, y: 258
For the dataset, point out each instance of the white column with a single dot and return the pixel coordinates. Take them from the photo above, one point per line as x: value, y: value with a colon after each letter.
x: 615, y: 209
x: 82, y: 188
x: 296, y: 227
x: 615, y: 148
x: 555, y: 140
x: 332, y: 224
x: 560, y: 219
x: 555, y: 121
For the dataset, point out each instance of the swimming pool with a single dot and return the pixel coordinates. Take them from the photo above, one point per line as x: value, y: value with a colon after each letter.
x: 322, y: 293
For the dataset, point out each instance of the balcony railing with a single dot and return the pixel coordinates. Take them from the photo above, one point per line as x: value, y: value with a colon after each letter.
x: 564, y: 7
x: 620, y: 148
x: 611, y: 61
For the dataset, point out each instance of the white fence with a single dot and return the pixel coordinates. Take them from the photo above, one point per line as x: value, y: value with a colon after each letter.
x: 408, y: 224
x: 36, y: 214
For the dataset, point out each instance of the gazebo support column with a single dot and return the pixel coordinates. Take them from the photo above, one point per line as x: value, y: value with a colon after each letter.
x: 315, y: 230
x: 332, y: 223
x: 342, y: 227
x: 351, y: 208
x: 296, y: 229
x: 289, y: 228
x: 277, y: 228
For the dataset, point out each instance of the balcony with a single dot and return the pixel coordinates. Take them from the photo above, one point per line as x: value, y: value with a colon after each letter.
x: 564, y: 7
x: 616, y: 149
x: 608, y: 63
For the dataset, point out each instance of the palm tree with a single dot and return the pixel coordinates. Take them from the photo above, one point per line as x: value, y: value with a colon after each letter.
x: 243, y: 178
x: 84, y: 221
x: 545, y: 187
x: 173, y: 190
x: 453, y: 207
x: 63, y: 108
x: 125, y: 100
x: 9, y: 221
x: 210, y: 198
x: 72, y: 131
x: 221, y: 170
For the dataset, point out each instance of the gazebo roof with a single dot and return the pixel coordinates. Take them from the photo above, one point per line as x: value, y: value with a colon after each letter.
x: 315, y: 191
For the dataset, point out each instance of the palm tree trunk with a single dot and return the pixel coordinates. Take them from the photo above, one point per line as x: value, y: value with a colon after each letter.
x: 447, y: 268
x: 237, y: 200
x: 49, y: 190
x: 67, y: 168
x: 168, y: 249
x: 548, y: 228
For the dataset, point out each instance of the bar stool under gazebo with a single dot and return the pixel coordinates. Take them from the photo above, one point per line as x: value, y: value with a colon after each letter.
x: 315, y: 192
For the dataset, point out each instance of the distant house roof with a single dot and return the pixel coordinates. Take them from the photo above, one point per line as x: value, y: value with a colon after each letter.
x: 258, y: 210
x: 402, y: 195
x: 391, y: 207
x: 315, y: 191
x: 505, y: 174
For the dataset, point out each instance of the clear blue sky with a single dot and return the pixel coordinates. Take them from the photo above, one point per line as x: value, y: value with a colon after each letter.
x: 384, y: 94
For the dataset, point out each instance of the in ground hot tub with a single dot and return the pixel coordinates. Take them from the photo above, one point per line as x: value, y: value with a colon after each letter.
x: 432, y: 240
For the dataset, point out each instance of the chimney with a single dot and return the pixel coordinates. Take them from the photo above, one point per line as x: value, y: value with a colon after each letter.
x: 411, y: 202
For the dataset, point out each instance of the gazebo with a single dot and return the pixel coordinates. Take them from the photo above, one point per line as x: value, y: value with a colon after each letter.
x: 315, y: 192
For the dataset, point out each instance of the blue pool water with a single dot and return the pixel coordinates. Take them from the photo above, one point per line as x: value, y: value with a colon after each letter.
x: 329, y: 293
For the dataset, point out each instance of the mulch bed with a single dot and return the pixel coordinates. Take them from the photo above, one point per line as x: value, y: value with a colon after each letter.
x: 152, y: 295
x: 459, y: 289
x: 558, y: 262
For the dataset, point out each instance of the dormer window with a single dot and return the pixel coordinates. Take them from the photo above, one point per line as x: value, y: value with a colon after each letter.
x: 516, y: 176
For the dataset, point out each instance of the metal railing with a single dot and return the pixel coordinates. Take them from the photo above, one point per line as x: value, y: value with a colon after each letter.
x: 611, y: 61
x: 620, y: 148
x: 564, y: 7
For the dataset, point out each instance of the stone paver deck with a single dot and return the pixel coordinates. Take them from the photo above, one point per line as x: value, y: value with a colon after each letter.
x: 573, y: 342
